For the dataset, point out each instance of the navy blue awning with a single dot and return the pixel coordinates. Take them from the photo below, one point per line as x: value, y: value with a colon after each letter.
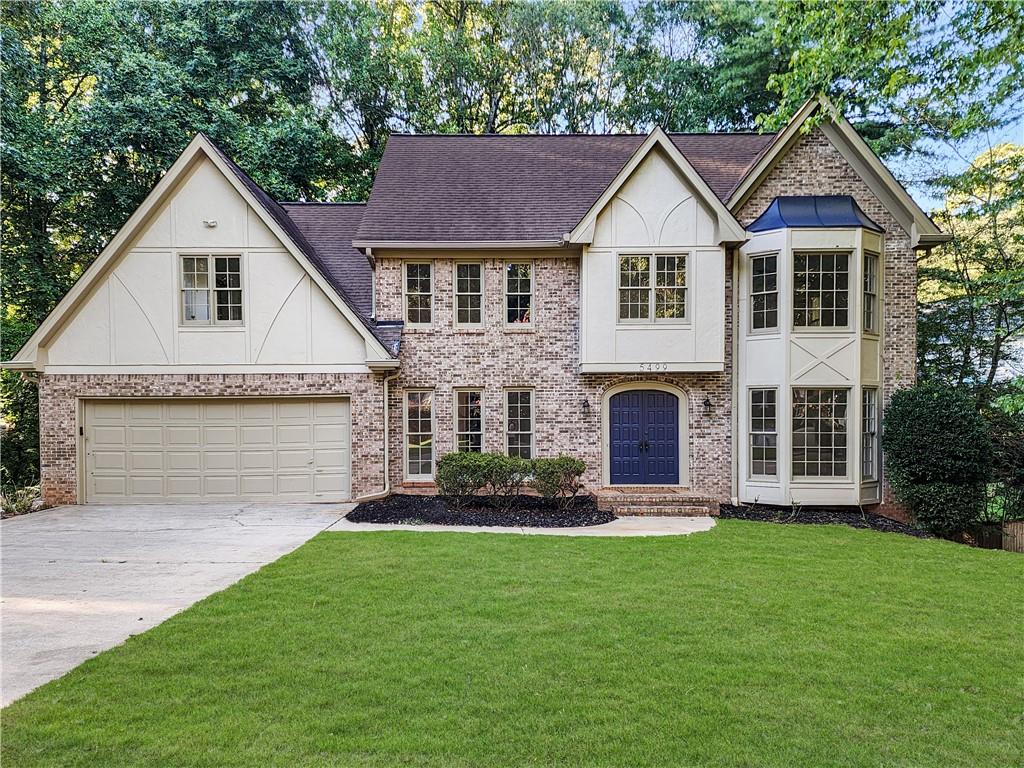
x: 820, y: 211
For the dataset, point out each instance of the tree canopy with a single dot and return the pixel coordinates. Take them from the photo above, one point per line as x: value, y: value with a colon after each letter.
x: 99, y: 97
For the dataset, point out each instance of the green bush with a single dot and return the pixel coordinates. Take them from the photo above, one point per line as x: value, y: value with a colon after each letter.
x: 463, y: 475
x: 558, y: 478
x: 938, y: 456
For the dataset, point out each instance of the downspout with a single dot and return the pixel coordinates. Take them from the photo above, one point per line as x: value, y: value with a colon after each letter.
x: 387, y: 447
x: 735, y: 377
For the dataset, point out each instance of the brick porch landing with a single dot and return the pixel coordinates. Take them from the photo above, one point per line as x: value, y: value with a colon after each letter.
x: 650, y: 501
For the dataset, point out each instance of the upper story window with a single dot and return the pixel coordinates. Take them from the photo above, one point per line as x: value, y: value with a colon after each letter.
x: 764, y: 292
x: 519, y: 293
x: 821, y: 290
x: 211, y: 290
x: 652, y: 286
x: 871, y: 293
x: 469, y: 293
x: 419, y: 296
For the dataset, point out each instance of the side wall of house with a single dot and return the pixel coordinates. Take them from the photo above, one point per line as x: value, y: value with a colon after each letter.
x: 544, y: 358
x: 814, y: 166
x: 60, y: 396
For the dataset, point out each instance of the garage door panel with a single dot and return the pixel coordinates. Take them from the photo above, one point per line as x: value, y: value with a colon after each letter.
x: 184, y: 461
x: 143, y: 461
x: 265, y: 449
x: 294, y: 434
x: 187, y: 410
x: 117, y: 460
x: 219, y: 461
x: 185, y: 486
x: 146, y: 485
x: 183, y: 436
x: 262, y: 435
x: 297, y: 459
x: 113, y: 436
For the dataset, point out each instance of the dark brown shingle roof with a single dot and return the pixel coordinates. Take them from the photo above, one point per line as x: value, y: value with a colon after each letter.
x: 440, y: 188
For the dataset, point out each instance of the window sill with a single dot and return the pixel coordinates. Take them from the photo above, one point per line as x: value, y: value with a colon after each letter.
x: 475, y: 330
x: 522, y: 328
x: 208, y: 328
x: 646, y: 325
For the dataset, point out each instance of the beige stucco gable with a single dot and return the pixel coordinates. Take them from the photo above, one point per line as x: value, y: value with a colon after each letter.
x: 125, y: 312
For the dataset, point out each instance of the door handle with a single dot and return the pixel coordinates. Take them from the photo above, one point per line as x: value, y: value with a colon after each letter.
x: 644, y: 445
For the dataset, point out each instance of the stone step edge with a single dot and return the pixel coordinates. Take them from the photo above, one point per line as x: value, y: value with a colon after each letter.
x: 664, y: 510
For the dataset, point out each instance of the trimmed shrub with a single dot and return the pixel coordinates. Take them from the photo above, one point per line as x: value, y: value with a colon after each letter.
x: 938, y: 456
x: 558, y: 478
x: 461, y: 475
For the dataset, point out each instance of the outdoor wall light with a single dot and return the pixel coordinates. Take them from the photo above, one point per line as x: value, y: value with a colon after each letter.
x: 585, y: 405
x: 210, y: 223
x: 707, y: 405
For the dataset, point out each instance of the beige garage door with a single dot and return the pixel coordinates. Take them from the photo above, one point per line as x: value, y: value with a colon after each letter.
x: 287, y: 449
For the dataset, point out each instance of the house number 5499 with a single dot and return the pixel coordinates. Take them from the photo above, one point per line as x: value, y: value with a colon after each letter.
x: 653, y: 366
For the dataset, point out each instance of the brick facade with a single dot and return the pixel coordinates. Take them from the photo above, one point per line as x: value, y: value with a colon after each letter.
x: 59, y: 396
x: 544, y: 358
x: 815, y: 167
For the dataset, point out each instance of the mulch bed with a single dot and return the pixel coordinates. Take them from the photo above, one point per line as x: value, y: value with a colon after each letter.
x: 764, y: 513
x: 525, y: 512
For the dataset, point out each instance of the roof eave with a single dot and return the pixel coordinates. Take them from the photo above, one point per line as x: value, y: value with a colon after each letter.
x: 369, y: 245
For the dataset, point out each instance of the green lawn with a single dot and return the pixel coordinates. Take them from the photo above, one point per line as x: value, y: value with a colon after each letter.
x: 750, y: 645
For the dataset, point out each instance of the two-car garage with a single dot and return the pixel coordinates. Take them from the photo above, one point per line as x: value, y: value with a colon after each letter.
x: 217, y: 449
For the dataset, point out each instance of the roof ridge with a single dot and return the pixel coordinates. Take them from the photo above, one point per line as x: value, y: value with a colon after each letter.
x: 569, y: 135
x: 321, y: 202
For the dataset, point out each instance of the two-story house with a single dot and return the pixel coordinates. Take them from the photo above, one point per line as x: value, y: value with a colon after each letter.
x: 699, y: 317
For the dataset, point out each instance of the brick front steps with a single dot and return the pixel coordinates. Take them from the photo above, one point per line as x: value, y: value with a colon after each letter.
x: 652, y: 501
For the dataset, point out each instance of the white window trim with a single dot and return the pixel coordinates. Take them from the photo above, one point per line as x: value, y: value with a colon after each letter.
x: 750, y: 433
x: 852, y: 296
x: 876, y: 453
x: 533, y: 293
x: 406, y: 294
x: 455, y: 417
x: 533, y: 418
x: 876, y: 314
x: 851, y: 437
x: 777, y: 328
x: 653, y: 253
x: 405, y: 437
x: 210, y: 255
x: 456, y: 294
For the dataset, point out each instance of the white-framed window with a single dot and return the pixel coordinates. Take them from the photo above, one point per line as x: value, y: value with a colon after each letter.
x: 419, y: 292
x: 519, y: 423
x: 651, y: 286
x: 764, y: 291
x: 871, y: 293
x: 519, y: 293
x: 764, y: 433
x: 469, y: 420
x: 469, y: 293
x: 419, y: 434
x: 869, y: 434
x: 819, y: 432
x: 211, y: 290
x: 821, y: 290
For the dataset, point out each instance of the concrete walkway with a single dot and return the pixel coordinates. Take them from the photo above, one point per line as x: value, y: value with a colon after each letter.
x: 78, y: 580
x: 623, y: 526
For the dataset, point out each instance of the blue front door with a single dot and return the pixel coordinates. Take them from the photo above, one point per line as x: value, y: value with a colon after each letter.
x: 644, y: 438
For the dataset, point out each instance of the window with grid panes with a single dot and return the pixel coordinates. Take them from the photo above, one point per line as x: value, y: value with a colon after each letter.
x: 652, y: 286
x: 519, y: 423
x: 469, y: 289
x: 764, y: 433
x: 469, y: 420
x: 764, y: 292
x: 419, y: 434
x: 869, y: 434
x: 518, y: 293
x: 418, y: 293
x: 819, y: 432
x: 871, y: 292
x: 211, y: 290
x: 821, y: 290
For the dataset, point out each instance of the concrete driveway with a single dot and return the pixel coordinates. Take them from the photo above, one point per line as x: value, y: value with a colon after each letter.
x: 78, y: 580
